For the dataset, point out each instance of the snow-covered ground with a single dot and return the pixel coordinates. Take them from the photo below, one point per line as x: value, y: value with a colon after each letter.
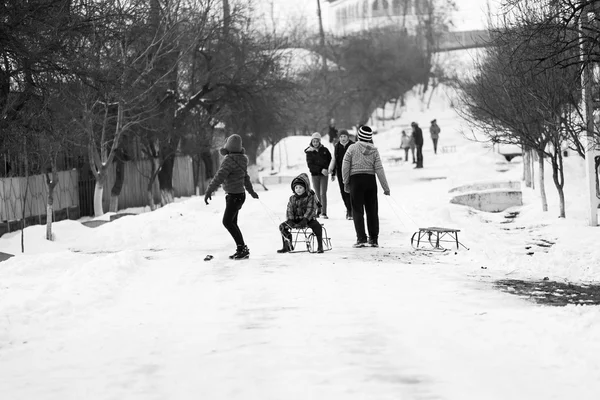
x: 130, y: 310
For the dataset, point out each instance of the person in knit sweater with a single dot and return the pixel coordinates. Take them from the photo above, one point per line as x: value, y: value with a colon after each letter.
x: 233, y: 175
x: 318, y: 158
x: 361, y: 163
x: 301, y: 212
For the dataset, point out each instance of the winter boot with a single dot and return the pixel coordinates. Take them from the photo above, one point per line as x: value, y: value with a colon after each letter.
x: 287, y: 246
x: 242, y: 253
x: 360, y: 243
x: 319, y: 244
x: 373, y: 242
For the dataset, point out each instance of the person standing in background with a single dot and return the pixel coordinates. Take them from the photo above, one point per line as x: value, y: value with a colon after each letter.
x: 335, y: 167
x: 405, y: 144
x: 434, y: 130
x: 318, y: 159
x: 418, y: 137
x: 333, y: 132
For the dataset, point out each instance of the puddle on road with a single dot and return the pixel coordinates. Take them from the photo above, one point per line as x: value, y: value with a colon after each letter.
x: 552, y: 293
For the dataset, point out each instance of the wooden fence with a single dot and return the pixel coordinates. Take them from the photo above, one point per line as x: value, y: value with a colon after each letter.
x: 13, y: 191
x: 73, y: 196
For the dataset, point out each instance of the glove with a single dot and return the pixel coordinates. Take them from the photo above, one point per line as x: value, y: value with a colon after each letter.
x: 325, y: 172
x: 386, y: 192
x: 332, y: 178
x: 254, y: 195
x: 303, y: 223
x: 207, y: 197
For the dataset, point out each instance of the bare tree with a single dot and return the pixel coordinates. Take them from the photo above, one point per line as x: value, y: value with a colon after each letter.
x: 514, y: 99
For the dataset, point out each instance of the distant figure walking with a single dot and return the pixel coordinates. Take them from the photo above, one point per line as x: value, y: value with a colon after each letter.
x: 333, y: 132
x: 233, y: 174
x: 335, y: 168
x: 418, y: 137
x: 434, y: 130
x: 318, y: 159
x: 405, y: 144
x: 361, y: 163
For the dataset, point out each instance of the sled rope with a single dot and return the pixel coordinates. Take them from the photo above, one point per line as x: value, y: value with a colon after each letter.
x: 270, y: 213
x: 391, y: 200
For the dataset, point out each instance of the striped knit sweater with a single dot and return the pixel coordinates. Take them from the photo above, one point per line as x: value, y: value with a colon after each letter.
x: 232, y: 174
x: 363, y: 158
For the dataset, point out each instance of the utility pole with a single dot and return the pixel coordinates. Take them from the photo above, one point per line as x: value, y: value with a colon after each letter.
x: 226, y: 17
x: 322, y: 35
x: 588, y: 114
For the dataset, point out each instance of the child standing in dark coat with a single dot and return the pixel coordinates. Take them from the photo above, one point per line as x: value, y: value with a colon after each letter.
x: 318, y: 158
x: 335, y: 168
x: 233, y: 174
x: 301, y: 213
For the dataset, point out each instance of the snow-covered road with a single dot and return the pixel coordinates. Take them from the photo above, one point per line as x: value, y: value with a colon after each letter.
x: 130, y: 310
x: 385, y: 323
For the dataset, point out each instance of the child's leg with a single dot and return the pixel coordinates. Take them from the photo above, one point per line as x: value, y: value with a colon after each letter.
x: 324, y: 182
x: 316, y: 182
x: 286, y: 236
x: 318, y: 231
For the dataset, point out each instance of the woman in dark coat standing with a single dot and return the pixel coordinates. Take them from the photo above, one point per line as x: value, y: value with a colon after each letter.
x: 335, y: 168
x: 318, y: 159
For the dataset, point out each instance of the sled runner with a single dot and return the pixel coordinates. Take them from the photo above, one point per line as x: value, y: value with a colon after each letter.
x: 306, y: 236
x: 431, y: 238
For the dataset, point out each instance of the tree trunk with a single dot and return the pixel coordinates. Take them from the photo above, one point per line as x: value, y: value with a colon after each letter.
x: 561, y: 193
x: 98, y: 194
x: 50, y: 201
x: 155, y: 167
x: 196, y: 172
x: 532, y: 168
x: 559, y: 180
x: 526, y: 169
x: 273, y: 156
x: 118, y: 185
x: 26, y: 193
x: 541, y: 181
x: 165, y: 181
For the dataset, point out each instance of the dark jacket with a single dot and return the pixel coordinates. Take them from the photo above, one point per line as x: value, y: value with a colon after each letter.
x: 317, y: 158
x: 304, y: 206
x: 232, y: 174
x: 339, y: 151
x: 418, y: 135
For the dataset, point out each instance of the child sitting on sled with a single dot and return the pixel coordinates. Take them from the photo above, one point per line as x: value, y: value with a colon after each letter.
x: 302, y: 211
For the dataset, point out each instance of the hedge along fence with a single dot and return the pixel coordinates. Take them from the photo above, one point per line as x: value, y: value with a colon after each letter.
x: 13, y: 190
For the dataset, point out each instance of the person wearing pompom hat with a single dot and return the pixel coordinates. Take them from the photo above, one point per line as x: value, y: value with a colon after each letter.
x: 318, y: 158
x: 233, y: 175
x: 361, y: 163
